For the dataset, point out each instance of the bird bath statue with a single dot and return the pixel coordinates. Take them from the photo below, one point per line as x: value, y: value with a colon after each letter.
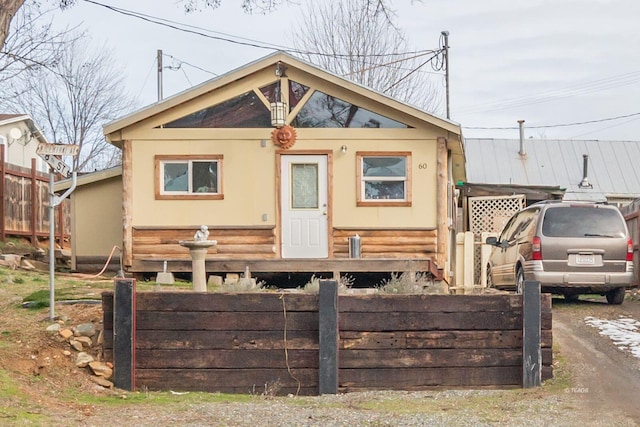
x: 198, y: 250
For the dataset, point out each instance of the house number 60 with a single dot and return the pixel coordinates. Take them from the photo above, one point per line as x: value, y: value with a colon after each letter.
x: 422, y: 166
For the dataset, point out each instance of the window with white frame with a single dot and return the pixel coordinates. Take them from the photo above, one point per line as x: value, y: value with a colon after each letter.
x: 189, y: 177
x: 384, y: 178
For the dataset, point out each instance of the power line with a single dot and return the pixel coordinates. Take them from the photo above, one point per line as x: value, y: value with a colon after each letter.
x: 556, y: 125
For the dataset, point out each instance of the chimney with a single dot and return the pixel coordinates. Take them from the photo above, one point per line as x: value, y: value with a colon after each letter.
x: 585, y: 181
x: 522, y: 151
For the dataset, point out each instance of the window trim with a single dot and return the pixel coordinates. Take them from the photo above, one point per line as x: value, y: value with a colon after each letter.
x: 361, y: 201
x: 160, y: 159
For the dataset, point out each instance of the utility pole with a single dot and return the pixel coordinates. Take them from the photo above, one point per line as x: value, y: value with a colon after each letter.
x: 159, y: 61
x: 445, y: 34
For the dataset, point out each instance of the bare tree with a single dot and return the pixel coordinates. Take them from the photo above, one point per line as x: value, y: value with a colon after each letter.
x: 72, y: 103
x: 32, y: 43
x: 357, y: 40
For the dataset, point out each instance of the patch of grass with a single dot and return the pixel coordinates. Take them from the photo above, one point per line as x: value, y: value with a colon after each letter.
x: 406, y: 283
x: 313, y: 285
x: 158, y: 398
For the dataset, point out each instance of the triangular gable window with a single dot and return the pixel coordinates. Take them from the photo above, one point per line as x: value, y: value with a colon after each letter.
x: 326, y: 111
x: 296, y: 92
x: 244, y: 111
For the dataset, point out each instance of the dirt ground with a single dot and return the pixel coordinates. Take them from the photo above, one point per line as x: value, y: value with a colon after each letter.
x: 604, y: 376
x: 598, y: 384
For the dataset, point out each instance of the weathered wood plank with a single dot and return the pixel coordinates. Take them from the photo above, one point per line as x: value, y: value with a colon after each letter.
x: 432, y: 358
x: 247, y: 381
x: 228, y: 340
x: 225, y: 359
x: 337, y: 232
x: 435, y: 339
x: 429, y: 303
x: 415, y: 378
x: 232, y: 302
x: 210, y: 321
x: 414, y: 321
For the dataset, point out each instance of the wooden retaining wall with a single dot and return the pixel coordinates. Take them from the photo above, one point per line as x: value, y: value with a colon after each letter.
x: 265, y: 342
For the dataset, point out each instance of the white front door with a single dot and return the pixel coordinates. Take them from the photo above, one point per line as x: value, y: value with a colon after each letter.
x: 304, y: 206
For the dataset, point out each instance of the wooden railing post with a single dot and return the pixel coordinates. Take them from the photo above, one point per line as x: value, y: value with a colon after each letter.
x: 531, y: 335
x: 3, y: 195
x: 35, y: 206
x: 328, y: 337
x: 124, y: 334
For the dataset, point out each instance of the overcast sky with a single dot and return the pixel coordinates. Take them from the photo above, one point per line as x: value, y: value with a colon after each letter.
x: 548, y: 62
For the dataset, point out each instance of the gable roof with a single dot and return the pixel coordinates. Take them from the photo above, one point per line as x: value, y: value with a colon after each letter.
x: 549, y: 163
x: 269, y: 61
x: 7, y: 119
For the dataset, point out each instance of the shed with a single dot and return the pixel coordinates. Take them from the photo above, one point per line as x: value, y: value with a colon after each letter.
x: 284, y: 162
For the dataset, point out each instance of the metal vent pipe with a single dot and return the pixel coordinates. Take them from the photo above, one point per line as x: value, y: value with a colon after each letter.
x: 522, y: 151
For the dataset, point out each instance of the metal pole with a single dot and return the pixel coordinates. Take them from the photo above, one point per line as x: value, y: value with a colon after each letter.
x: 159, y: 61
x: 445, y: 34
x: 52, y: 256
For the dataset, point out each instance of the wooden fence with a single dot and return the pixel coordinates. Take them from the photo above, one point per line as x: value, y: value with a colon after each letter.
x: 24, y: 203
x: 631, y: 214
x: 269, y: 342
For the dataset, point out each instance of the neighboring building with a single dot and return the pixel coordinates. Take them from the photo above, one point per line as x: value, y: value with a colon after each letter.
x: 349, y: 161
x: 20, y: 137
x: 96, y: 219
x: 552, y: 169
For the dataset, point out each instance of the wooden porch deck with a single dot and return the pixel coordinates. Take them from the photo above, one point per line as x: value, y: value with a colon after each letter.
x: 335, y: 266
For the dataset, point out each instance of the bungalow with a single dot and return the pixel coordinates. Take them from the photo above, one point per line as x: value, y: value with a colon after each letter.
x: 285, y: 162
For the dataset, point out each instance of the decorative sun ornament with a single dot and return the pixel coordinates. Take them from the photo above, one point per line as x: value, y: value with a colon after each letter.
x: 285, y: 136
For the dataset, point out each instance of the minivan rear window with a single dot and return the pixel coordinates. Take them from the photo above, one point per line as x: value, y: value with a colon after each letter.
x: 582, y: 222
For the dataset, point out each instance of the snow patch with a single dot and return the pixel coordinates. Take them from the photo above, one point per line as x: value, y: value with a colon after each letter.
x: 624, y: 332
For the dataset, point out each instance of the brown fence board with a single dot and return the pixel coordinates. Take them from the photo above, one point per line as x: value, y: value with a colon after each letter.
x: 415, y: 379
x: 220, y: 321
x: 227, y: 340
x: 226, y: 359
x: 245, y: 381
x: 192, y: 302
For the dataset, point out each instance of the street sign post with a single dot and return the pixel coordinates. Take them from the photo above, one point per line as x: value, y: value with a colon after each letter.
x: 57, y: 165
x: 57, y: 149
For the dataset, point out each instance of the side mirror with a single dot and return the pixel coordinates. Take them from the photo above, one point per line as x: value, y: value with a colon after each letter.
x: 493, y: 241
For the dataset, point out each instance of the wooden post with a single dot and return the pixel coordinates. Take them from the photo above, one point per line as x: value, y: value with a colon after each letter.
x: 127, y: 204
x: 35, y: 206
x: 531, y: 324
x: 124, y: 334
x: 328, y: 337
x: 442, y: 205
x: 3, y: 195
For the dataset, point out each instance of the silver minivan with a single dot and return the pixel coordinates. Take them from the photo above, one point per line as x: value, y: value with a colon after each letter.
x: 571, y: 248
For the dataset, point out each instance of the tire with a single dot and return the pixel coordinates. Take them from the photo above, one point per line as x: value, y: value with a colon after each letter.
x: 519, y: 280
x: 616, y: 296
x: 489, y: 277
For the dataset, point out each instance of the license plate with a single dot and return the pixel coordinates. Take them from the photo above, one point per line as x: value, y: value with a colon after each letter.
x: 585, y: 259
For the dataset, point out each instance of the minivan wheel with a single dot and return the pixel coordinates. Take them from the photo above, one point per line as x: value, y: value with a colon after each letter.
x: 519, y: 281
x: 616, y: 296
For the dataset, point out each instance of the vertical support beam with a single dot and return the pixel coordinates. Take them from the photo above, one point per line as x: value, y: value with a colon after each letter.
x: 3, y: 194
x: 328, y: 337
x: 35, y: 206
x: 124, y: 334
x: 442, y: 206
x: 531, y: 325
x: 127, y: 204
x: 61, y: 222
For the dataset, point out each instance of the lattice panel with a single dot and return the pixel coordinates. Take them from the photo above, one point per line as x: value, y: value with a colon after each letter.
x: 490, y: 214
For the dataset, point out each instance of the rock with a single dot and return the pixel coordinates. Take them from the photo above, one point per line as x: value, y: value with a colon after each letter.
x: 53, y: 328
x: 85, y: 330
x: 101, y: 381
x: 66, y: 333
x: 26, y: 265
x: 76, y: 345
x: 66, y: 353
x: 83, y: 359
x: 101, y: 369
x: 86, y: 341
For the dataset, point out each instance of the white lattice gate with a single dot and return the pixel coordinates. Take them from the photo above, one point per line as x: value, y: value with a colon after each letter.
x: 489, y: 215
